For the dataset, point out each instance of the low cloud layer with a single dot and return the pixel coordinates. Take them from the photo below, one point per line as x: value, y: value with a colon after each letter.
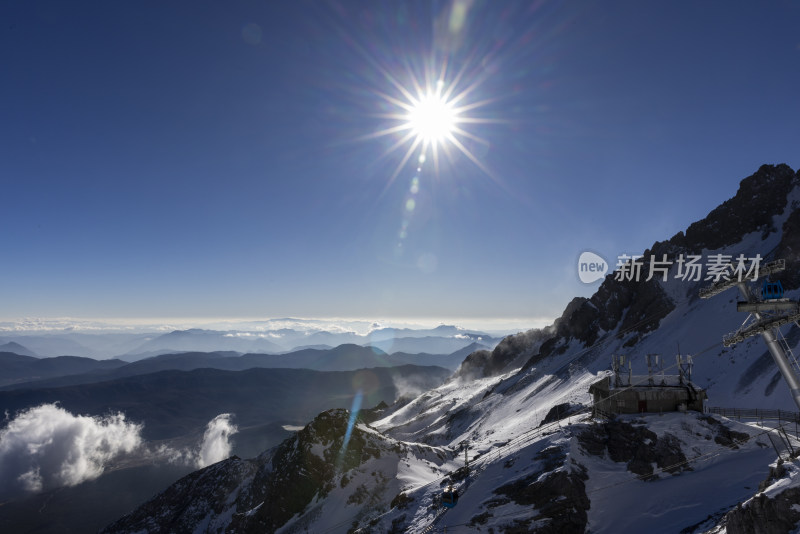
x: 47, y: 447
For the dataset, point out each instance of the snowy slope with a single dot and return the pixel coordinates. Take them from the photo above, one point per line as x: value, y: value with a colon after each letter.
x: 715, y: 478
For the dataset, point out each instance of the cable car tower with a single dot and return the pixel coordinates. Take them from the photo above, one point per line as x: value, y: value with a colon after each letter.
x: 767, y: 315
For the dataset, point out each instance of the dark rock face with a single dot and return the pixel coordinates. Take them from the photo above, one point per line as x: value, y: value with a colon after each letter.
x: 206, y: 490
x: 484, y: 363
x: 401, y: 501
x: 475, y: 365
x: 555, y: 490
x: 559, y: 498
x: 764, y: 515
x: 636, y: 445
x: 724, y: 435
x: 560, y: 411
x: 370, y: 415
x: 635, y: 307
x: 261, y: 495
x: 775, y: 473
x: 297, y: 473
x: 760, y: 197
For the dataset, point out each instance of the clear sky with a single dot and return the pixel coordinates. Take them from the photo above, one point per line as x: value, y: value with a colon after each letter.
x: 246, y: 159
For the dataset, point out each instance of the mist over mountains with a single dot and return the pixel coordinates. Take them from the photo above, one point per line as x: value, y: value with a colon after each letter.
x: 23, y: 372
x: 264, y: 338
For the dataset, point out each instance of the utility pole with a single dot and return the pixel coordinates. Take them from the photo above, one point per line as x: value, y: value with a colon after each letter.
x: 766, y: 317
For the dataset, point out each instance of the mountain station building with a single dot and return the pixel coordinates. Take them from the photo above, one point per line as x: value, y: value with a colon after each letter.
x: 655, y: 392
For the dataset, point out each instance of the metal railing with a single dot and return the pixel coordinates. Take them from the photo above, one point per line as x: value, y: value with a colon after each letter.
x: 756, y: 414
x: 786, y: 431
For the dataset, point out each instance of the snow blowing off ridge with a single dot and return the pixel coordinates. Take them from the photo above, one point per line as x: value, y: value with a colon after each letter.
x: 215, y: 447
x: 216, y: 441
x: 409, y: 387
x: 46, y: 447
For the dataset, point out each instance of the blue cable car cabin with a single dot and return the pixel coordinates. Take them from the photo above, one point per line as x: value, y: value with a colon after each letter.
x: 771, y: 290
x: 449, y: 497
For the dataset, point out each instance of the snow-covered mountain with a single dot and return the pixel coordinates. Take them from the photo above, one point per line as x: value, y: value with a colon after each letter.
x: 538, y: 461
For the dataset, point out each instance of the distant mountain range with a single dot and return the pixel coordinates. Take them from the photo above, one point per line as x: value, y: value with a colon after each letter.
x: 23, y: 372
x: 16, y: 348
x: 208, y: 340
x: 98, y: 346
x: 16, y: 368
x: 443, y: 339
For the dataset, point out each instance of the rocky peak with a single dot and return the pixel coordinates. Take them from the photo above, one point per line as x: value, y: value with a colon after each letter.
x: 305, y: 467
x: 262, y: 494
x: 637, y: 307
x: 760, y: 197
x: 485, y: 363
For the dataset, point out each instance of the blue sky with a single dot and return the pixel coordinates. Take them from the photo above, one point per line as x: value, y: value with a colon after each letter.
x: 217, y: 159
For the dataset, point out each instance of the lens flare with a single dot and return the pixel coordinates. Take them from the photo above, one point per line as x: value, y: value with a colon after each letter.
x: 354, y: 408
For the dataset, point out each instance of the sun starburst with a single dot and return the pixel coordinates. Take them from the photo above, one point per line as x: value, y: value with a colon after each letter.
x: 431, y: 118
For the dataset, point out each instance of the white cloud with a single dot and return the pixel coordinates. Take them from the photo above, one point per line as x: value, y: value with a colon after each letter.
x: 361, y: 326
x: 46, y: 447
x: 272, y: 335
x: 215, y: 447
x: 216, y: 444
x: 412, y: 386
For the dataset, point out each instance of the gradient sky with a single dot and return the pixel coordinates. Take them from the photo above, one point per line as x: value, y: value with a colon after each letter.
x: 215, y: 159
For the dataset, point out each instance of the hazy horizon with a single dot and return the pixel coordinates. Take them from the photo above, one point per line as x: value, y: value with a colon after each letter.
x: 360, y: 326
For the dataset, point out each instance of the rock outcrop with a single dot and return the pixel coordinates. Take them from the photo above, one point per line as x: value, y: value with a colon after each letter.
x: 262, y: 494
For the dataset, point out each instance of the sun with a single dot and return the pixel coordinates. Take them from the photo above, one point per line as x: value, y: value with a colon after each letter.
x: 431, y: 118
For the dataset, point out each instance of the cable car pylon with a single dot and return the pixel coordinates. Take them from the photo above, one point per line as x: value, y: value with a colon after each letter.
x: 766, y: 317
